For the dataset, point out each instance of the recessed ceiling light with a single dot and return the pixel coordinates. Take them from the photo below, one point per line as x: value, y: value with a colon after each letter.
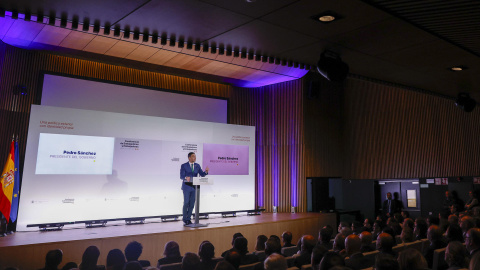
x: 458, y: 68
x: 327, y: 17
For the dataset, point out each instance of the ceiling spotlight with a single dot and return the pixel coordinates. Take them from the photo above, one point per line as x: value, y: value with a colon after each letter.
x: 458, y: 68
x: 332, y: 67
x: 465, y: 102
x: 326, y: 17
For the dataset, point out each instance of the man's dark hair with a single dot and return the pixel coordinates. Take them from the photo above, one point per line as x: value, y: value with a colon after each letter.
x: 326, y: 235
x: 206, y: 251
x: 235, y: 235
x: 287, y: 237
x: 433, y: 220
x: 406, y: 213
x: 233, y: 257
x: 133, y: 251
x: 190, y: 261
x: 241, y: 245
x: 272, y: 246
x: 190, y: 154
x: 224, y: 265
x: 454, y: 233
x: 69, y: 266
x: 53, y: 258
x: 133, y: 265
x: 331, y: 259
x: 422, y: 227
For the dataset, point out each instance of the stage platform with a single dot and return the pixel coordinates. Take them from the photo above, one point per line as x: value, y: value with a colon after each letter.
x: 27, y: 250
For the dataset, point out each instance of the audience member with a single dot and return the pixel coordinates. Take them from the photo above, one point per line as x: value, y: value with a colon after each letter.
x: 407, y: 235
x: 90, y: 259
x: 473, y: 201
x: 434, y: 235
x: 356, y: 259
x: 448, y: 202
x: 331, y: 259
x: 405, y: 214
x: 287, y: 239
x: 133, y: 251
x: 357, y: 227
x: 261, y: 240
x: 475, y: 262
x: 366, y: 239
x: 324, y: 237
x: 317, y: 255
x: 346, y: 231
x: 339, y: 243
x: 116, y: 260
x: 224, y: 265
x: 241, y: 245
x: 455, y: 255
x: 234, y: 258
x: 342, y: 225
x: 420, y: 229
x: 472, y: 241
x: 411, y: 259
x: 235, y: 235
x: 466, y: 223
x: 190, y: 261
x: 305, y: 256
x: 433, y: 220
x: 454, y: 233
x: 385, y: 243
x: 206, y: 251
x: 367, y: 225
x: 453, y: 219
x: 275, y: 262
x: 53, y: 259
x: 377, y: 228
x: 171, y: 254
x: 386, y: 262
x: 272, y: 246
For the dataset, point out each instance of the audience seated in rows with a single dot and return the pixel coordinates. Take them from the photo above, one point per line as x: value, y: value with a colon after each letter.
x: 456, y: 255
x: 133, y: 251
x: 385, y: 243
x: 366, y: 238
x: 434, y: 236
x: 356, y: 259
x: 53, y: 259
x: 411, y: 259
x: 287, y: 239
x: 386, y: 262
x: 90, y: 259
x: 206, y: 251
x: 305, y: 256
x: 115, y: 259
x: 190, y: 261
x: 275, y: 262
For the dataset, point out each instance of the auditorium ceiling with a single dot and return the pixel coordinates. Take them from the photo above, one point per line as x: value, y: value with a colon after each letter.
x: 407, y: 42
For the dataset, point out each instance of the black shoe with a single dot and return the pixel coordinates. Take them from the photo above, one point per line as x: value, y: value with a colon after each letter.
x: 189, y: 222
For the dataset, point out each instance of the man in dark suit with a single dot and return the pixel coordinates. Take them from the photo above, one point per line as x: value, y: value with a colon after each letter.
x: 391, y: 206
x: 189, y: 170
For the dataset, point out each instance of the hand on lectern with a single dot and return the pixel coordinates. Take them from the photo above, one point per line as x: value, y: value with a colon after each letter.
x: 206, y: 169
x: 187, y: 178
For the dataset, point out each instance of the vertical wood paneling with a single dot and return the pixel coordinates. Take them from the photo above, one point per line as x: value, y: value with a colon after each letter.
x: 276, y: 111
x: 396, y: 133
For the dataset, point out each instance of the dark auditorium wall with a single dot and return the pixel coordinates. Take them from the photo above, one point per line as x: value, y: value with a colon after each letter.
x: 276, y: 111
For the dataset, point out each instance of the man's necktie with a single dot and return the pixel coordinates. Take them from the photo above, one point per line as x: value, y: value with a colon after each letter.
x: 192, y: 168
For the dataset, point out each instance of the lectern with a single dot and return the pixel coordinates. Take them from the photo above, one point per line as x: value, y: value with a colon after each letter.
x: 197, y: 182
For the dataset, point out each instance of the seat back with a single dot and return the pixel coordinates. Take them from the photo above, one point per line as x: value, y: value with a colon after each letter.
x: 370, y: 257
x: 249, y: 266
x: 172, y: 266
x: 438, y: 258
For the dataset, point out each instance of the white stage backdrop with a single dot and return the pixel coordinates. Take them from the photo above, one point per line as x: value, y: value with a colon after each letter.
x: 87, y: 165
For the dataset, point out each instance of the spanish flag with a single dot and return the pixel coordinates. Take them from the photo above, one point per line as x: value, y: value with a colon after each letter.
x: 7, y: 181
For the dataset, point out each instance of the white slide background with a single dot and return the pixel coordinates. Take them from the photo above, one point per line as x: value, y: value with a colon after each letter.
x: 144, y: 179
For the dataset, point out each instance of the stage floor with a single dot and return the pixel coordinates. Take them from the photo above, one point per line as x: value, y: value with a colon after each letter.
x: 27, y: 250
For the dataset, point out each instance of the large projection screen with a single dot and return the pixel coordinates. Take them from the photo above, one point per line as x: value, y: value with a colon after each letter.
x: 76, y: 93
x: 88, y: 165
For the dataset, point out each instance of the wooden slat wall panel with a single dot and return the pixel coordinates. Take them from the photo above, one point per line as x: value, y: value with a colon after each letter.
x: 391, y: 132
x: 276, y: 111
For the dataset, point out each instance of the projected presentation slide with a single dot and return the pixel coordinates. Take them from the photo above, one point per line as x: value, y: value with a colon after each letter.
x: 73, y: 154
x: 85, y: 165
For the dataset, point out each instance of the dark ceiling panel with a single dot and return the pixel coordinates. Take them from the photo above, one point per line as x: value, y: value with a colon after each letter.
x: 297, y: 17
x: 103, y: 11
x: 264, y: 38
x: 190, y: 19
x: 386, y: 36
x: 254, y: 9
x: 455, y: 21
